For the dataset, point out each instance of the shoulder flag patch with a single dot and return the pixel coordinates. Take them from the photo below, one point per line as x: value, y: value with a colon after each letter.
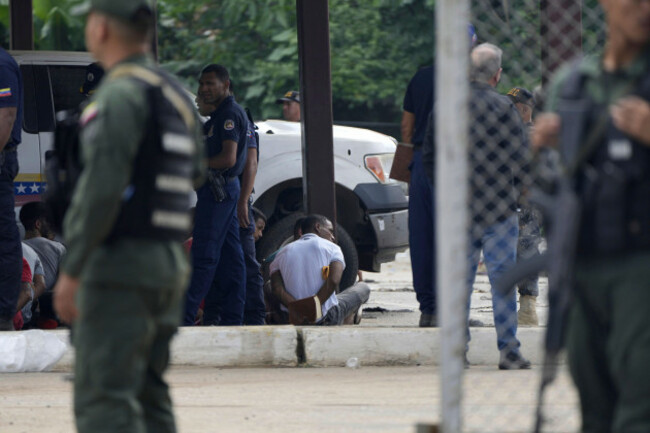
x: 229, y: 125
x: 5, y: 92
x: 89, y: 113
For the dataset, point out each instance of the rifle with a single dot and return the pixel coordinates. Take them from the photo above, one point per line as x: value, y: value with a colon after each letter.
x: 561, y: 208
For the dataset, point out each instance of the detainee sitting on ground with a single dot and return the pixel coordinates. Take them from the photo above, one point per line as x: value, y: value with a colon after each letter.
x: 274, y: 313
x: 260, y: 223
x: 37, y: 286
x: 305, y: 277
x: 40, y: 237
x: 24, y: 295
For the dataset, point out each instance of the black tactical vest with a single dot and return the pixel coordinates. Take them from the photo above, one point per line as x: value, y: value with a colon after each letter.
x: 613, y: 182
x: 156, y: 203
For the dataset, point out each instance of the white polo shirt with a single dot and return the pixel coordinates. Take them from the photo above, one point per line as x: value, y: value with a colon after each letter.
x: 301, y: 263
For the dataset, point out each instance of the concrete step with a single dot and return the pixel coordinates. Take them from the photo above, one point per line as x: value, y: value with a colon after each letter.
x: 289, y: 346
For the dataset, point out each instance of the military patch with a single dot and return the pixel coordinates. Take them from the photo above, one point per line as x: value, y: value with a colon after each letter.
x: 229, y: 125
x: 4, y: 93
x: 89, y: 113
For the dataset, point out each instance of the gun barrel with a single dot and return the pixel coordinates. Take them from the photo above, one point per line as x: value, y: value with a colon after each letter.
x: 522, y: 270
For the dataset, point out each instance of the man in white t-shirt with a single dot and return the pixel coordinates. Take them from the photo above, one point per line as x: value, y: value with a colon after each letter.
x: 38, y: 279
x: 39, y: 236
x: 311, y: 267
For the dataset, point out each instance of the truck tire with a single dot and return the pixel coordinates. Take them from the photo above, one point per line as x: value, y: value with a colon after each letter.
x: 281, y: 234
x: 351, y: 270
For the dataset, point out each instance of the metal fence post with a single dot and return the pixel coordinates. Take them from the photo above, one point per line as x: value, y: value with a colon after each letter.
x: 452, y: 87
x: 316, y: 93
x: 21, y: 25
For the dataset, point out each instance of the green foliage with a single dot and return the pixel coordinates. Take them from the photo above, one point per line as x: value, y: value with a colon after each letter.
x: 514, y: 26
x: 255, y: 40
x: 4, y: 23
x: 56, y: 27
x: 376, y: 46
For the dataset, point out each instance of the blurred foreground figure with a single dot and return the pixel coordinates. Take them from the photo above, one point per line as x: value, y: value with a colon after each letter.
x: 11, y: 119
x: 600, y: 121
x: 122, y: 280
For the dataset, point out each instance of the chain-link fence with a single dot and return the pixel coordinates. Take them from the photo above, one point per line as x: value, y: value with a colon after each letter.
x: 487, y: 220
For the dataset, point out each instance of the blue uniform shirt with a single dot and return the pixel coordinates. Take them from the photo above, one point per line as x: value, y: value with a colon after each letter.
x: 419, y: 101
x: 11, y: 93
x: 228, y: 122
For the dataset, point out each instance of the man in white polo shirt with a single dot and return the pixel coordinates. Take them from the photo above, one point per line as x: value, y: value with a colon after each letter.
x: 311, y: 267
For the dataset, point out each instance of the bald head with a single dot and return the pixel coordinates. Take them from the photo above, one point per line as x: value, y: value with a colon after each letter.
x: 486, y: 64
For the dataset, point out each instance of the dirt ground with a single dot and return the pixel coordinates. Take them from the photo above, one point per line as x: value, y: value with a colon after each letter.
x: 379, y: 399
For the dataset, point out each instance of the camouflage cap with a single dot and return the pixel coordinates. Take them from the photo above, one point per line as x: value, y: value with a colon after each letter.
x: 521, y: 96
x: 125, y: 9
x: 290, y: 96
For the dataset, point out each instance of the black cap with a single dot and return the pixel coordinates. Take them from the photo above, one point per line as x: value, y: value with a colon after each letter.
x: 291, y: 95
x: 94, y: 74
x: 521, y: 96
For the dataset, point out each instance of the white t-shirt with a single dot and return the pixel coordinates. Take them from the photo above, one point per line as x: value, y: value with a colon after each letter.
x: 34, y: 261
x: 301, y: 264
x: 36, y: 267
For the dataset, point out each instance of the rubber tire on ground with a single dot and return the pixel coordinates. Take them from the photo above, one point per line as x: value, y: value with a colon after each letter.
x: 281, y: 233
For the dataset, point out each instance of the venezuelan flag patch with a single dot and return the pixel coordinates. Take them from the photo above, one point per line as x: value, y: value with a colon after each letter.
x: 5, y: 92
x: 89, y: 113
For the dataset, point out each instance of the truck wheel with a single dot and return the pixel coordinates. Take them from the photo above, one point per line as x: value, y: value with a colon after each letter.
x: 351, y: 270
x: 282, y: 233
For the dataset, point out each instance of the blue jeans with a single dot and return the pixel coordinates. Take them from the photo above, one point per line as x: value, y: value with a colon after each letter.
x: 499, y: 245
x: 422, y: 236
x: 349, y: 302
x: 11, y: 254
x: 217, y: 254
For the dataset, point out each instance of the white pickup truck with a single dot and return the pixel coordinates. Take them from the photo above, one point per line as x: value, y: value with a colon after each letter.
x: 371, y: 208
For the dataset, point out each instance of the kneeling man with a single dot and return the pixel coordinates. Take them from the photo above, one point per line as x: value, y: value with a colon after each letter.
x: 305, y: 277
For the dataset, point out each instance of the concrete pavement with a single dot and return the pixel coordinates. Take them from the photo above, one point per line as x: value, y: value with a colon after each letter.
x: 328, y: 400
x: 288, y: 346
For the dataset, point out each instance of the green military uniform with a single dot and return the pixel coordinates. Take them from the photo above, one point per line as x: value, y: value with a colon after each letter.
x: 608, y: 332
x: 131, y: 291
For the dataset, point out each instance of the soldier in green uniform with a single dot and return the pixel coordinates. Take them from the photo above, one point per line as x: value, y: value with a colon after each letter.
x: 122, y: 282
x: 601, y: 118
